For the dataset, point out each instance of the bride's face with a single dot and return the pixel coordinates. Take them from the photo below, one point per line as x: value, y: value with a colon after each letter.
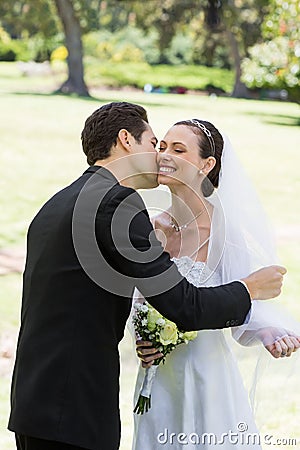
x: 178, y: 159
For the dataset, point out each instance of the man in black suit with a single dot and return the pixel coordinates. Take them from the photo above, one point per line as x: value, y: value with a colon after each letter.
x: 87, y: 248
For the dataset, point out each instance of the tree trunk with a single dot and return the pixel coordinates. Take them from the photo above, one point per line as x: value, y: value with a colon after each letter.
x: 75, y: 82
x: 240, y: 90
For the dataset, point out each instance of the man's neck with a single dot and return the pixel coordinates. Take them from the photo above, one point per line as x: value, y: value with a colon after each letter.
x: 119, y: 168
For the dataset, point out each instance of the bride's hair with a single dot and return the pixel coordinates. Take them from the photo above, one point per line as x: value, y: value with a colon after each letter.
x: 206, y: 149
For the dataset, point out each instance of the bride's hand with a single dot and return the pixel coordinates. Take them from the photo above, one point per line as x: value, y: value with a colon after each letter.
x: 284, y: 346
x: 147, y: 353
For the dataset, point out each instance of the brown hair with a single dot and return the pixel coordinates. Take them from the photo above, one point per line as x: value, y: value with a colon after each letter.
x: 101, y: 129
x: 206, y: 149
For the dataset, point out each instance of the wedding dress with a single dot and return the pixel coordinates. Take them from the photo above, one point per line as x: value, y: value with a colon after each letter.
x: 198, y: 391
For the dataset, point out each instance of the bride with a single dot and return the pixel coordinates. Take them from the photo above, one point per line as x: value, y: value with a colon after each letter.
x: 215, y: 232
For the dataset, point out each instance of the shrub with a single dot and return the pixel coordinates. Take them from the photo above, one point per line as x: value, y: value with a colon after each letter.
x: 14, y: 50
x: 274, y: 64
x: 181, y: 50
x: 163, y: 76
x: 59, y: 54
x: 128, y: 44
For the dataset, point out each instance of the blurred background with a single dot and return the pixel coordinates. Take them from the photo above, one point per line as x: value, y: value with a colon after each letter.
x: 233, y: 62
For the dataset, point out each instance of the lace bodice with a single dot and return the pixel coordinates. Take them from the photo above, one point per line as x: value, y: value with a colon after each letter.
x: 197, y: 272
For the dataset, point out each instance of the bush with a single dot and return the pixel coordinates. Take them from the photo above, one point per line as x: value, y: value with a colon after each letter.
x: 163, y: 76
x: 274, y: 64
x: 127, y: 45
x: 14, y: 50
x: 180, y: 50
x: 146, y: 43
x: 36, y: 48
x: 7, y: 53
x: 59, y: 54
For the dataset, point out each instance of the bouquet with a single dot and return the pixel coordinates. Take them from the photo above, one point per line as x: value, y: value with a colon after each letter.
x: 150, y: 325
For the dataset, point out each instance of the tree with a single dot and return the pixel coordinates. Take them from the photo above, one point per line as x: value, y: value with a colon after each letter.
x: 32, y: 26
x: 235, y: 22
x: 165, y: 16
x: 175, y: 27
x: 21, y: 18
x: 241, y: 22
x: 275, y: 62
x: 75, y: 82
x: 42, y: 20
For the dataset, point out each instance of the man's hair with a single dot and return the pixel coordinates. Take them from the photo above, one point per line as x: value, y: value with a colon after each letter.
x: 101, y: 129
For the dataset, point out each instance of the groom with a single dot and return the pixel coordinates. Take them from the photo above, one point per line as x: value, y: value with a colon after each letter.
x: 87, y: 248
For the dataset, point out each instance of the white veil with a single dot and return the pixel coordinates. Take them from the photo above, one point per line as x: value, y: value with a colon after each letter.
x: 242, y: 242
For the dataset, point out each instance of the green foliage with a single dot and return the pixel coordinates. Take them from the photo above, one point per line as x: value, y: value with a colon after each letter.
x: 268, y: 65
x: 170, y: 31
x: 36, y: 48
x: 282, y: 20
x: 129, y: 44
x: 105, y: 47
x: 209, y: 49
x: 244, y: 19
x: 164, y: 76
x: 10, y: 50
x: 22, y: 19
x: 33, y: 29
x: 276, y: 62
x: 59, y: 54
x: 180, y: 50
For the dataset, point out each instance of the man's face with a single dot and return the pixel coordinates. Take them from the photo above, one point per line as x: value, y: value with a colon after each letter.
x: 143, y: 156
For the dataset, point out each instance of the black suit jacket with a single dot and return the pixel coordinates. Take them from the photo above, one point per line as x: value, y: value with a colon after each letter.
x: 80, y: 273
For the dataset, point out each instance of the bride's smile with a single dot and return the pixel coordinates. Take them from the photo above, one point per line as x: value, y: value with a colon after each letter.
x: 179, y: 161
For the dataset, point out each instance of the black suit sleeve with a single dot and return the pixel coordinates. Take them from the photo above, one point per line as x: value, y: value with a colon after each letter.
x: 126, y: 237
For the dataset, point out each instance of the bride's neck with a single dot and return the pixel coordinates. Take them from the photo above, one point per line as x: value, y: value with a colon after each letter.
x: 186, y: 203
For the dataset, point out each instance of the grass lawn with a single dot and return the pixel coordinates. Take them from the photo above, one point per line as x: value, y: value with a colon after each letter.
x: 41, y: 153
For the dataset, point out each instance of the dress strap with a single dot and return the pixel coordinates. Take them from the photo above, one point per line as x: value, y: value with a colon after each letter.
x: 200, y: 246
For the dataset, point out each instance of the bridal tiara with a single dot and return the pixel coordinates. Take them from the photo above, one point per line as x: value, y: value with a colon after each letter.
x: 207, y: 133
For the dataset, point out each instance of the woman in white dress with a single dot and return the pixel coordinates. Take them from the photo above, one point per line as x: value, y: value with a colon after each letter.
x: 214, y: 236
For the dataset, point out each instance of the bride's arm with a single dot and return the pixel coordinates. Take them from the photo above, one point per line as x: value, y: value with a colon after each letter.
x: 270, y: 326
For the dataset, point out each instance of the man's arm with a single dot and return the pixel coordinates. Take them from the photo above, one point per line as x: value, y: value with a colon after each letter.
x: 126, y: 237
x: 265, y: 283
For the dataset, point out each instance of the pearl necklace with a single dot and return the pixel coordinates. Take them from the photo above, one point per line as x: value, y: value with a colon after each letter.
x: 183, y: 227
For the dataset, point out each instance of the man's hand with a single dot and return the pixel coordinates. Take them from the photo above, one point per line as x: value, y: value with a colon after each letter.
x: 265, y: 283
x: 147, y: 353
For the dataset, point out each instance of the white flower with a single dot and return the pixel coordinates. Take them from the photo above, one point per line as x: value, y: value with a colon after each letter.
x: 144, y: 308
x: 160, y: 321
x: 153, y: 316
x: 137, y: 306
x: 144, y: 322
x: 168, y: 334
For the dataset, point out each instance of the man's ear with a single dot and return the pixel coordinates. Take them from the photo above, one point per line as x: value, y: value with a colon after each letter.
x: 125, y: 137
